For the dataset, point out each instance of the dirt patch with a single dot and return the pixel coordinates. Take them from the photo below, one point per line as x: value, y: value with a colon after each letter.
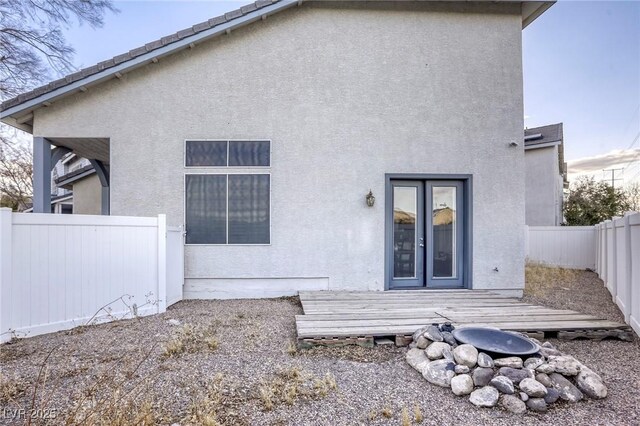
x: 119, y: 373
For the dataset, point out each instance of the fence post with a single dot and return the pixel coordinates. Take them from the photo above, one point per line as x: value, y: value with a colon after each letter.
x: 614, y: 261
x: 605, y: 254
x: 162, y: 263
x: 5, y: 272
x: 597, y: 247
x: 628, y: 268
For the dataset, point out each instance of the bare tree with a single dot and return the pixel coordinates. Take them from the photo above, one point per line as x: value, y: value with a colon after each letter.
x: 32, y: 49
x: 16, y: 172
x: 633, y: 195
x: 32, y: 42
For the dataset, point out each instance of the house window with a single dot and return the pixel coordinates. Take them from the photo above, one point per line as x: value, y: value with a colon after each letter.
x: 228, y: 208
x: 216, y: 153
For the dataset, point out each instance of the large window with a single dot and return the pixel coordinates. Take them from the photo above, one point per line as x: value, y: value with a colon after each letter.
x: 228, y: 208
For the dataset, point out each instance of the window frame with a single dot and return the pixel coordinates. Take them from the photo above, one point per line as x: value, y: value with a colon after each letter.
x: 184, y: 154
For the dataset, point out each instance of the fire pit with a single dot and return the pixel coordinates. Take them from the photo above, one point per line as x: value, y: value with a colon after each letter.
x: 496, y: 341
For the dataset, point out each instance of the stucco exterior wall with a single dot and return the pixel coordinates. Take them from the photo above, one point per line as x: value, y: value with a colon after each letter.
x: 346, y: 94
x: 543, y: 187
x: 87, y: 196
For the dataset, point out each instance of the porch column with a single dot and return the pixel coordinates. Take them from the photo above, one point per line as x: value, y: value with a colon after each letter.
x: 41, y: 175
x: 103, y: 175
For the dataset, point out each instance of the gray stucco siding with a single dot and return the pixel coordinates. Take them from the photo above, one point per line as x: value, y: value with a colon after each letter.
x: 345, y: 95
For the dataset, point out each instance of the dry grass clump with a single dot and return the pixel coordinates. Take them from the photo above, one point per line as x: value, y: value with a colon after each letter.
x: 292, y: 348
x: 189, y: 339
x: 387, y: 412
x: 11, y: 387
x: 220, y: 405
x: 540, y: 279
x: 119, y: 398
x: 292, y: 384
x: 406, y: 420
x: 417, y: 414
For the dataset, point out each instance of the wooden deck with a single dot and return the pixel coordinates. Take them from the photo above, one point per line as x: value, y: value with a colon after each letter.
x: 359, y: 317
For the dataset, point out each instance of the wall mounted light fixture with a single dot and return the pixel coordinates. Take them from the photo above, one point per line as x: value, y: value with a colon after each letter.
x: 370, y: 199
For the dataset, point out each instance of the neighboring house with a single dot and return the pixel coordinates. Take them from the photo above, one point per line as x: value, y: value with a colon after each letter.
x: 81, y: 181
x: 263, y: 130
x: 545, y: 175
x: 75, y: 188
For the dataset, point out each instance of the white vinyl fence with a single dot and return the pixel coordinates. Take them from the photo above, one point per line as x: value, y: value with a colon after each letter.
x: 618, y: 263
x: 61, y: 271
x: 563, y: 246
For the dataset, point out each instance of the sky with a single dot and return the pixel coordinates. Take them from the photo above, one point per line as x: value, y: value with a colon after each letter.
x: 581, y: 67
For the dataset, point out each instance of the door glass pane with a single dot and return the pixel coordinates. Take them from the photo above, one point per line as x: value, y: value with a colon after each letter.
x: 249, y: 209
x: 206, y: 209
x: 444, y: 231
x: 405, y: 210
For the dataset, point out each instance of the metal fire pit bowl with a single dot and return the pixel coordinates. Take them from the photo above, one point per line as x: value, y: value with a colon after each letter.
x: 496, y: 341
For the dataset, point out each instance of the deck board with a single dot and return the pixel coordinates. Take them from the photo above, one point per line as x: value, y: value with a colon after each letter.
x: 330, y: 315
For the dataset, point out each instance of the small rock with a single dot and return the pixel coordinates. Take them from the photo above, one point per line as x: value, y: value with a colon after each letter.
x: 533, y: 362
x: 417, y: 359
x: 446, y: 327
x: 447, y: 354
x: 466, y: 355
x: 482, y: 376
x: 545, y: 368
x: 513, y: 404
x: 432, y: 333
x: 544, y: 379
x: 591, y: 384
x: 173, y: 321
x: 537, y: 404
x: 536, y: 341
x: 524, y: 396
x: 462, y: 369
x: 565, y: 365
x: 462, y: 384
x: 485, y: 397
x: 485, y: 360
x: 552, y: 396
x: 516, y: 375
x: 503, y: 384
x: 448, y: 338
x: 550, y: 352
x: 512, y: 362
x: 533, y: 388
x: 439, y: 372
x: 419, y: 332
x: 434, y: 350
x: 548, y: 345
x: 412, y: 345
x: 568, y: 391
x: 422, y: 342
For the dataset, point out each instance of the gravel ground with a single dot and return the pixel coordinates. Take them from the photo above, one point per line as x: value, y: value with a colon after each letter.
x: 227, y: 355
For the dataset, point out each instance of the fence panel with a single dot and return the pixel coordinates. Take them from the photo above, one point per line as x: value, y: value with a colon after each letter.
x: 61, y: 271
x: 563, y: 246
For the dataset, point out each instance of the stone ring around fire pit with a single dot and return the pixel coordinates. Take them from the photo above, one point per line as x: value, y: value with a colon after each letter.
x: 496, y: 341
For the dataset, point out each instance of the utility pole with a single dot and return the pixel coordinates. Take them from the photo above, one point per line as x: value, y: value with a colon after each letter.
x: 613, y: 175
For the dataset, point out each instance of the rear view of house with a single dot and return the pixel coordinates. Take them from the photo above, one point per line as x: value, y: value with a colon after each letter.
x: 263, y: 132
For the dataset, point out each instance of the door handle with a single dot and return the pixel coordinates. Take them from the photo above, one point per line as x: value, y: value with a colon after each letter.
x: 421, y: 242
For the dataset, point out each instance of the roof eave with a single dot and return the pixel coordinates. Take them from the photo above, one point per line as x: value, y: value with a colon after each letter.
x: 531, y: 10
